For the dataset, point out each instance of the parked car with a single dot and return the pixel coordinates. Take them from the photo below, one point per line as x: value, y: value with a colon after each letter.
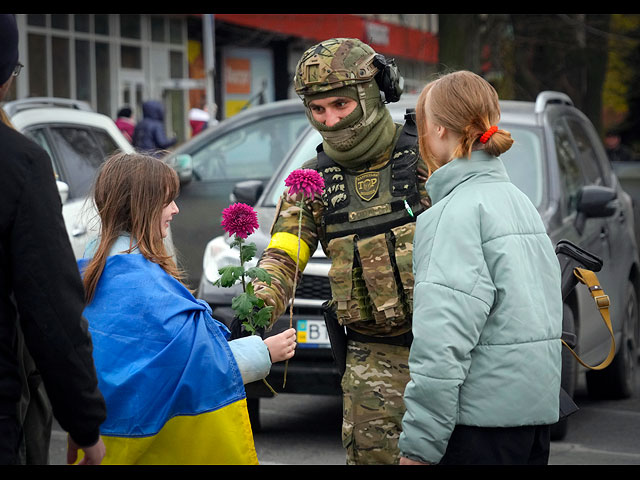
x: 247, y: 146
x: 78, y: 140
x: 628, y: 173
x: 559, y: 162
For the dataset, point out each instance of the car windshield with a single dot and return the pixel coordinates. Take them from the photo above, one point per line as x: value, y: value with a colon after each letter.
x: 523, y: 162
x: 256, y: 148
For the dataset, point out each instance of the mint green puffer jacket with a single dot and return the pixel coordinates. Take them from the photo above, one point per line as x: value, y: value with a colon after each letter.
x: 487, y: 315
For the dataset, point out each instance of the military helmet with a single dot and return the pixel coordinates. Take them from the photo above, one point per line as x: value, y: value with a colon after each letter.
x: 334, y: 63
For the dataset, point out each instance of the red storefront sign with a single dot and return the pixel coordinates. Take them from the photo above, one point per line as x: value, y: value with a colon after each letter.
x: 388, y: 39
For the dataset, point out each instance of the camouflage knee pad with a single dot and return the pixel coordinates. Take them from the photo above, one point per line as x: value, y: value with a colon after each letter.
x: 373, y: 388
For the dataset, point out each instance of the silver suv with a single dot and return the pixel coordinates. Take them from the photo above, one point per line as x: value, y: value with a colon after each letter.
x: 560, y: 163
x: 78, y: 140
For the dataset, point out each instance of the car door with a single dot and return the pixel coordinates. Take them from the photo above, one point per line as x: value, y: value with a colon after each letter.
x: 579, y: 167
x: 252, y: 151
x: 76, y: 152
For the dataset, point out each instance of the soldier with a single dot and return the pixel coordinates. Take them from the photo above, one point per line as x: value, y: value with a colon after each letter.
x: 374, y: 189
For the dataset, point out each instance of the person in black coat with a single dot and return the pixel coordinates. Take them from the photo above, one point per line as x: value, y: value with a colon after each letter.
x: 149, y: 136
x: 41, y: 293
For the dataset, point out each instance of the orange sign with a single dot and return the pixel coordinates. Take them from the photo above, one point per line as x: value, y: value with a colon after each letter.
x: 237, y: 75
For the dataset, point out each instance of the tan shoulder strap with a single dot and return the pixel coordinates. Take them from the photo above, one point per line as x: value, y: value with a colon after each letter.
x: 590, y: 279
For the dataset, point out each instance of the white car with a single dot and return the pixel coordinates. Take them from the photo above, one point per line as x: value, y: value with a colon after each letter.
x: 78, y: 140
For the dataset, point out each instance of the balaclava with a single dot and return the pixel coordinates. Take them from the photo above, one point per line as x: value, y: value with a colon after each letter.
x: 362, y: 135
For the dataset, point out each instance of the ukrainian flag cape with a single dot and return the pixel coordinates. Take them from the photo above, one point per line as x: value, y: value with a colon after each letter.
x: 173, y: 390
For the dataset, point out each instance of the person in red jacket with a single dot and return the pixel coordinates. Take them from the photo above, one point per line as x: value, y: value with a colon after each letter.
x: 125, y: 123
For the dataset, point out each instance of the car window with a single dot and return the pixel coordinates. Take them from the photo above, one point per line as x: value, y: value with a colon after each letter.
x: 570, y: 173
x: 587, y: 153
x: 304, y: 151
x: 107, y: 143
x: 257, y: 148
x: 524, y: 162
x: 38, y: 136
x: 81, y: 156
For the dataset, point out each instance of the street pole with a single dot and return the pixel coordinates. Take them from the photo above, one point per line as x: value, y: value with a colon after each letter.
x: 209, y: 45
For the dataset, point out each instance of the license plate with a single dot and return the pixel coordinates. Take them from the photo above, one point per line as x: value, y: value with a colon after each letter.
x: 312, y: 333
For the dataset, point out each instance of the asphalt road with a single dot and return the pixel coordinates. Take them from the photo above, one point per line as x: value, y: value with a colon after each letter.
x: 305, y: 430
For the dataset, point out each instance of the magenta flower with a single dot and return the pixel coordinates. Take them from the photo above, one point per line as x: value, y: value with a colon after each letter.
x: 305, y: 181
x: 239, y: 219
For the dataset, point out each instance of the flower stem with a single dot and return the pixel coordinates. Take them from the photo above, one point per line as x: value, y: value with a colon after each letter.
x: 295, y: 281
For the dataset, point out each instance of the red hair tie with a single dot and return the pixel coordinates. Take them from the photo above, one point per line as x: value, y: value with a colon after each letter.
x: 487, y: 135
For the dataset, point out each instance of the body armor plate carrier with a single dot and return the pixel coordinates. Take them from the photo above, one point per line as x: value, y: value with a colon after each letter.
x: 369, y: 223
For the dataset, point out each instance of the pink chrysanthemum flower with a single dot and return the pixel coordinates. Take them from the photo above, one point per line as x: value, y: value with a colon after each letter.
x: 306, y: 181
x: 239, y: 219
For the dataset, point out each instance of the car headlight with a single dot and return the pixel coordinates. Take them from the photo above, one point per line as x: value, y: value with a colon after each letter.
x: 218, y: 254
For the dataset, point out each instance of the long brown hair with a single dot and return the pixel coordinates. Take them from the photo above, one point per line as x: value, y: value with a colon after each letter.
x: 467, y: 105
x: 130, y: 192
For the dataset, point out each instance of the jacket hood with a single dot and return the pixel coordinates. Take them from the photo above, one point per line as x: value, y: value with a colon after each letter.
x: 153, y: 109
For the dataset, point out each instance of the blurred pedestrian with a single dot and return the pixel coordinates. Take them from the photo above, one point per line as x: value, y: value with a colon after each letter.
x: 364, y: 221
x: 173, y: 383
x: 200, y: 118
x: 486, y: 356
x: 125, y: 123
x: 149, y: 136
x: 41, y: 295
x: 616, y: 150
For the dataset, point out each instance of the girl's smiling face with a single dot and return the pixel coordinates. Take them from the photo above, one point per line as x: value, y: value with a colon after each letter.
x: 167, y: 215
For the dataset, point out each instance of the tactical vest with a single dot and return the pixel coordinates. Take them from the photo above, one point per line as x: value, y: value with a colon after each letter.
x: 368, y: 225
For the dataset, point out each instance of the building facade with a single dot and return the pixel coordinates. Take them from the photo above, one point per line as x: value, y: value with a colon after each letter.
x: 226, y: 62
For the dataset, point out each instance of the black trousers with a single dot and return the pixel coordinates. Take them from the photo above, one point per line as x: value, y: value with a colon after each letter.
x: 10, y: 439
x: 498, y: 446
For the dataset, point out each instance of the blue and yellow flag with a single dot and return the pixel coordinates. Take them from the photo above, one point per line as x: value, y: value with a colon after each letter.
x: 173, y: 390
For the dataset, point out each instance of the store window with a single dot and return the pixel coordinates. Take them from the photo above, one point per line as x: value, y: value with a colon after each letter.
x: 157, y: 29
x: 83, y: 70
x: 81, y: 22
x: 103, y: 78
x: 130, y: 26
x: 130, y: 57
x: 37, y: 19
x: 38, y: 65
x: 175, y: 31
x: 60, y: 67
x: 101, y: 24
x: 176, y: 64
x: 60, y: 21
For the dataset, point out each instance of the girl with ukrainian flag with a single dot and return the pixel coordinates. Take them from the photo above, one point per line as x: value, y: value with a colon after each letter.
x: 173, y: 383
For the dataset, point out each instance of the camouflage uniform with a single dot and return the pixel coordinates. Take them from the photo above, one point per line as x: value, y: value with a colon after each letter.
x: 364, y: 222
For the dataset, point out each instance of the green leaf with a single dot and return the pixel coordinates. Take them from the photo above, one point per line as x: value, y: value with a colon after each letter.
x: 229, y: 275
x: 249, y: 328
x: 262, y: 317
x: 242, y: 305
x: 247, y: 252
x: 259, y: 273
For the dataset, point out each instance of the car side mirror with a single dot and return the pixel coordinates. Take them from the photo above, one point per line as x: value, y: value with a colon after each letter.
x: 63, y: 190
x: 595, y: 201
x: 183, y: 165
x: 247, y: 192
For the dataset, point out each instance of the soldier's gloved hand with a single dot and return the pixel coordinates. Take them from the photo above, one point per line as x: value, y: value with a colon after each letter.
x: 238, y: 330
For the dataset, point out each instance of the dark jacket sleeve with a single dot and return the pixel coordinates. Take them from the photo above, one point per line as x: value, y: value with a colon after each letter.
x: 50, y: 300
x: 160, y: 137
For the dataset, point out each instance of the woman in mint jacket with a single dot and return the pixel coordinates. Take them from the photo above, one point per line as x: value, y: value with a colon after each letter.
x: 486, y: 357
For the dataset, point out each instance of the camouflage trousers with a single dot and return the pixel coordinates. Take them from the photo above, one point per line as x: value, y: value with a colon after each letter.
x: 373, y: 388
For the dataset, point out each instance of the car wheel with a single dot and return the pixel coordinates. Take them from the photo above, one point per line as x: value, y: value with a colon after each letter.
x: 569, y: 372
x: 617, y: 380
